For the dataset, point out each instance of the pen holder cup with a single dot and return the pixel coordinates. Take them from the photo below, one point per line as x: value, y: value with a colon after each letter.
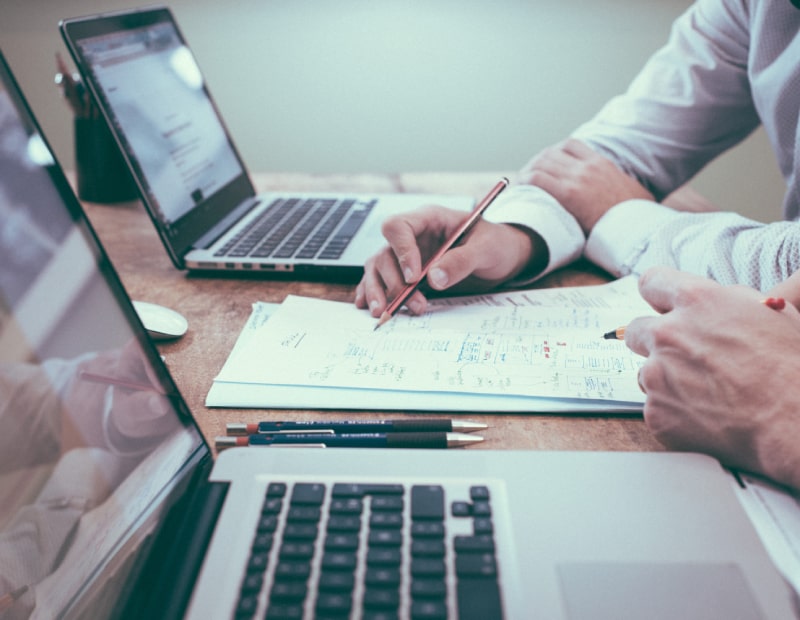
x: 102, y: 174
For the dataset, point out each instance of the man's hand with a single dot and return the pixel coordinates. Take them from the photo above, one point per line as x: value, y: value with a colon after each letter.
x: 585, y: 183
x: 721, y: 373
x: 490, y: 255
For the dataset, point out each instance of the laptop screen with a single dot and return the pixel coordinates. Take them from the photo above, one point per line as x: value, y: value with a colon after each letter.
x: 150, y: 80
x: 92, y: 430
x: 150, y: 89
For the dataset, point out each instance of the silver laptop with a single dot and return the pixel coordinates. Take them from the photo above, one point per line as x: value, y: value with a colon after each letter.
x: 111, y: 506
x: 193, y: 182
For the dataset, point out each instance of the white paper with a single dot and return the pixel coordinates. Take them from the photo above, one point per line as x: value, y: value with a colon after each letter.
x: 499, y: 352
x: 775, y: 514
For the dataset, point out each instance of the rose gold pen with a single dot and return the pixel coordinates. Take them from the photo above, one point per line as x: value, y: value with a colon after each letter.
x: 457, y: 236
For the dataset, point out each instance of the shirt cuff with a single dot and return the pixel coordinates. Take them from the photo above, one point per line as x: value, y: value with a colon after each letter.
x: 621, y: 236
x: 533, y: 208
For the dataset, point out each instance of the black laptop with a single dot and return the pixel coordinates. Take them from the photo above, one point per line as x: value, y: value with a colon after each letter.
x: 195, y: 186
x: 110, y: 505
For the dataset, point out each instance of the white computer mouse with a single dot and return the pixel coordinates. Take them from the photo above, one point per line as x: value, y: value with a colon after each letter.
x: 160, y: 322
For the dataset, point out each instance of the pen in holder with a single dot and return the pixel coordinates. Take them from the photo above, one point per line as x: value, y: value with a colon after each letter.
x: 102, y: 174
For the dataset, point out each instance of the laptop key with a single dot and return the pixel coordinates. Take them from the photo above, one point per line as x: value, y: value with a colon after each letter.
x: 432, y: 610
x: 479, y: 493
x: 296, y: 551
x: 427, y: 502
x: 308, y: 494
x: 385, y: 538
x: 478, y: 599
x: 350, y: 505
x: 427, y: 567
x: 344, y: 523
x: 382, y: 577
x: 276, y: 489
x: 379, y: 614
x: 336, y: 580
x: 343, y: 489
x: 428, y: 588
x: 384, y: 557
x: 292, y: 570
x: 427, y: 548
x: 247, y: 606
x: 473, y: 544
x: 300, y: 531
x: 285, y: 612
x: 382, y: 598
x: 286, y: 591
x: 386, y: 520
x: 303, y: 513
x: 339, y: 561
x: 476, y: 565
x: 341, y: 542
x: 427, y: 529
x: 333, y: 603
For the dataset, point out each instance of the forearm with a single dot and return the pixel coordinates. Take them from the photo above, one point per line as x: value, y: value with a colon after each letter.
x: 725, y: 247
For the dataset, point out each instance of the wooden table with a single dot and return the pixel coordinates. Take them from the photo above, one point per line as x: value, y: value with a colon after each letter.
x: 218, y: 307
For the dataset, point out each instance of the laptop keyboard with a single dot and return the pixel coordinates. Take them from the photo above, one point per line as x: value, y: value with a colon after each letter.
x: 371, y: 551
x: 299, y: 228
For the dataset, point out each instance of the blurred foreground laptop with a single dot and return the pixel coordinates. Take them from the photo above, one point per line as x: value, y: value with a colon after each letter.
x: 110, y: 505
x: 190, y: 176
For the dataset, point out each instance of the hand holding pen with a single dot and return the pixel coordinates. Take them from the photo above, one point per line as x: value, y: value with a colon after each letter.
x: 774, y: 303
x: 457, y: 236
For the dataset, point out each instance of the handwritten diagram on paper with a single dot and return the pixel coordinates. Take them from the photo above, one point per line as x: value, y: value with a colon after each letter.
x: 499, y: 348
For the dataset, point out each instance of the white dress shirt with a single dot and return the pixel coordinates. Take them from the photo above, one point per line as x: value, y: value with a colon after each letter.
x: 728, y: 67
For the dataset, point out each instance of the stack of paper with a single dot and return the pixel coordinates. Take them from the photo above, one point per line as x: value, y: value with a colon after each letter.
x: 535, y: 350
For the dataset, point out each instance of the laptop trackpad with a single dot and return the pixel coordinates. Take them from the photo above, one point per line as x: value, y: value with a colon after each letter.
x: 601, y: 591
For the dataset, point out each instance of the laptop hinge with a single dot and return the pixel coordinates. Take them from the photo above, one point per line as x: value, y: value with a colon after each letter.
x: 164, y: 583
x: 221, y: 227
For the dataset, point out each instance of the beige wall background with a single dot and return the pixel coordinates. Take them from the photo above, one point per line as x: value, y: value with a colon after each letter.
x: 388, y: 85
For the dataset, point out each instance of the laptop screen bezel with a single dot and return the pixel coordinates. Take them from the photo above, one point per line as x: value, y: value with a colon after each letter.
x: 181, y: 235
x: 199, y: 458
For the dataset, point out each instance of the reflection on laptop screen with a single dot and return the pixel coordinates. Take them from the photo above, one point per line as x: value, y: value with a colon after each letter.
x: 82, y: 462
x: 152, y: 82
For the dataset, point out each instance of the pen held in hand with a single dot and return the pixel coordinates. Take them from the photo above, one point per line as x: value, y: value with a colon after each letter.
x: 353, y: 440
x: 775, y: 303
x: 457, y: 236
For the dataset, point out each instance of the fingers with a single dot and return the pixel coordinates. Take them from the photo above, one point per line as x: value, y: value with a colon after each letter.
x: 490, y: 254
x: 639, y: 335
x: 381, y: 282
x: 789, y: 290
x: 578, y: 149
x: 409, y: 236
x: 402, y: 234
x: 665, y: 288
